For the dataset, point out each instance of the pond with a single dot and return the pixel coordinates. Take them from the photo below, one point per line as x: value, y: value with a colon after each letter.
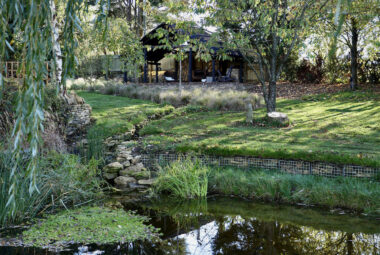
x: 221, y: 225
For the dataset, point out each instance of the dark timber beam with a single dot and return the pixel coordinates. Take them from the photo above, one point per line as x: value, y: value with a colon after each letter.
x: 176, y: 70
x: 213, y: 69
x: 156, y: 72
x: 241, y: 71
x: 190, y: 75
x: 125, y: 78
x: 145, y: 77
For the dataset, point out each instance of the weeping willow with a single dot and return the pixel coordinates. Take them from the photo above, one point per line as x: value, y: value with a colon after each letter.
x: 32, y: 23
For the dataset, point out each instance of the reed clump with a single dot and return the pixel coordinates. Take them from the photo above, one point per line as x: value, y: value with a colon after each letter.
x: 62, y: 181
x: 185, y: 178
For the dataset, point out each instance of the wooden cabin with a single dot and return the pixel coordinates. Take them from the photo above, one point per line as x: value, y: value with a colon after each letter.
x: 160, y: 60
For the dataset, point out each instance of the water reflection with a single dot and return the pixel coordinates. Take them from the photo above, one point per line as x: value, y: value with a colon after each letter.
x: 226, y: 226
x: 230, y: 226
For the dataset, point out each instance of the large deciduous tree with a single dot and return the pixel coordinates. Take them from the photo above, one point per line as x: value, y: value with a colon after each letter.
x: 356, y: 16
x: 265, y: 32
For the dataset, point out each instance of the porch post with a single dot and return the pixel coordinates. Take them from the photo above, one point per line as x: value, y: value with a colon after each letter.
x: 176, y: 70
x: 213, y: 69
x: 125, y: 78
x: 190, y: 74
x: 156, y: 63
x: 241, y: 71
x: 145, y: 77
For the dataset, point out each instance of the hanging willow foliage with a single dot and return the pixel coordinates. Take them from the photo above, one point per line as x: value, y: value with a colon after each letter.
x: 30, y: 21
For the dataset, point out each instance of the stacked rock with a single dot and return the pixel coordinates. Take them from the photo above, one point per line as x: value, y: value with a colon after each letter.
x: 127, y: 172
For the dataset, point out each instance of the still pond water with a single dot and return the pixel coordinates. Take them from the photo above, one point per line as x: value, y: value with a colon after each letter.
x: 233, y: 226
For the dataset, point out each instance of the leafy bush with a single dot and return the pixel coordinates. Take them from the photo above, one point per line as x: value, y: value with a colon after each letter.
x: 289, y: 72
x: 62, y: 180
x: 185, y: 178
x: 309, y: 73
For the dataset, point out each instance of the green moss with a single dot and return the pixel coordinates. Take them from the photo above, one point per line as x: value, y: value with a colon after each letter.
x: 89, y: 225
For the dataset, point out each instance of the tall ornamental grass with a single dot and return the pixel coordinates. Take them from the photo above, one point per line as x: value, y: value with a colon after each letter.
x: 62, y: 180
x: 210, y: 98
x: 185, y: 178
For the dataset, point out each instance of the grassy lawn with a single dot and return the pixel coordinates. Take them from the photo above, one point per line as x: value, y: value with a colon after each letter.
x: 340, y: 128
x: 115, y: 115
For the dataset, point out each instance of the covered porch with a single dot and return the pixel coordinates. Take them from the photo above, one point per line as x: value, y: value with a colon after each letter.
x: 159, y: 61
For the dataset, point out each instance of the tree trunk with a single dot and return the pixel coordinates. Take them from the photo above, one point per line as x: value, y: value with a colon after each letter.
x: 349, y: 242
x: 57, y: 53
x: 271, y: 101
x: 354, y: 55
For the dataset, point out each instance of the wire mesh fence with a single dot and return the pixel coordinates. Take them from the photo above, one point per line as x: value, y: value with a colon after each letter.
x: 288, y: 166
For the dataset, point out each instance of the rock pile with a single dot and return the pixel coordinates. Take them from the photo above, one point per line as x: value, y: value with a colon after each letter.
x: 78, y: 115
x: 127, y: 172
x: 53, y: 134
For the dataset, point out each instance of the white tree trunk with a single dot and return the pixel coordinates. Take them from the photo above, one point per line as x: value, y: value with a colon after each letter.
x: 57, y: 53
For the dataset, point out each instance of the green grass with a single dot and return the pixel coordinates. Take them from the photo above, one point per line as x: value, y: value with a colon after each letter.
x: 116, y: 115
x: 188, y: 178
x: 185, y: 178
x: 350, y: 193
x: 339, y: 128
x: 89, y: 225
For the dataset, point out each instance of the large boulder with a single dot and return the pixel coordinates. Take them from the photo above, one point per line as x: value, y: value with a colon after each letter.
x: 113, y: 167
x: 139, y: 175
x: 136, y: 168
x: 123, y: 181
x: 109, y: 176
x: 278, y: 117
x: 126, y: 163
x: 148, y: 182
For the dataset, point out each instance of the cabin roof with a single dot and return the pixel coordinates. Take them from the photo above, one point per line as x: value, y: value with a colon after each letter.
x: 158, y: 51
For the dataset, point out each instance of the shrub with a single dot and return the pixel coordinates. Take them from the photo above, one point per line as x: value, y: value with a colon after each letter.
x: 185, y: 178
x: 310, y: 73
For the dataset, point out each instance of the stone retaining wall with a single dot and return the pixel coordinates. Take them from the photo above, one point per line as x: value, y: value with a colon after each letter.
x: 127, y: 172
x: 78, y: 117
x: 288, y: 166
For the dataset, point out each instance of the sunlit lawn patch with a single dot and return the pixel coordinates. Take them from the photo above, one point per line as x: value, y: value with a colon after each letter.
x: 115, y: 115
x: 341, y: 128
